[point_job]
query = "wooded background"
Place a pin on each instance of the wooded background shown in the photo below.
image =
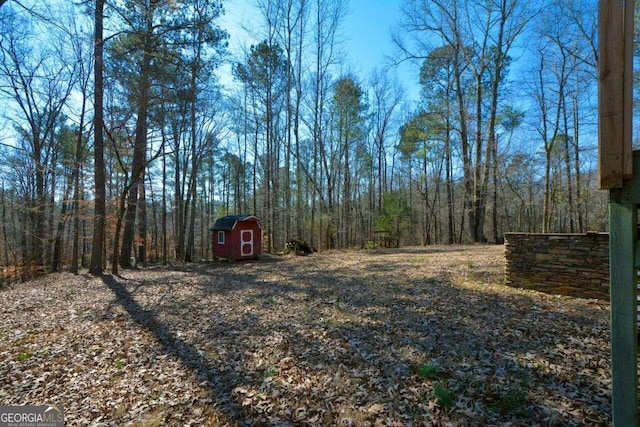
(119, 140)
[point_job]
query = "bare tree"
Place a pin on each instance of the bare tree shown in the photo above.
(265, 71)
(328, 15)
(38, 81)
(558, 70)
(387, 95)
(481, 35)
(99, 216)
(83, 55)
(198, 37)
(286, 21)
(144, 36)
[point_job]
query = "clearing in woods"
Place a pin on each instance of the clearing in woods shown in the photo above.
(409, 336)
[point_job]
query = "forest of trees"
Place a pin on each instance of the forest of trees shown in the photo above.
(120, 144)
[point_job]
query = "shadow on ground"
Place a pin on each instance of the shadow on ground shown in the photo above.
(318, 343)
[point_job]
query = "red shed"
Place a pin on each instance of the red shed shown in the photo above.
(237, 237)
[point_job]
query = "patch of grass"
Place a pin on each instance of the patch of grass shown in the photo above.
(176, 305)
(269, 372)
(515, 403)
(1, 334)
(479, 387)
(442, 395)
(415, 411)
(430, 370)
(541, 368)
(469, 264)
(23, 355)
(272, 300)
(524, 379)
(512, 403)
(119, 364)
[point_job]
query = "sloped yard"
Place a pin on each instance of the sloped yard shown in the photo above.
(410, 336)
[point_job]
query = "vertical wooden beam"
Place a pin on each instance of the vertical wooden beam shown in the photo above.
(627, 136)
(615, 157)
(611, 99)
(623, 220)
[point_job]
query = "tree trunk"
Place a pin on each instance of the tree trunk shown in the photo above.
(77, 171)
(567, 164)
(56, 257)
(164, 208)
(95, 267)
(576, 160)
(194, 161)
(142, 222)
(178, 201)
(494, 214)
(449, 185)
(5, 238)
(192, 221)
(116, 238)
(546, 210)
(153, 249)
(138, 163)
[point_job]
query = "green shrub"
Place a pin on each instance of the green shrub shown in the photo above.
(442, 395)
(429, 370)
(23, 355)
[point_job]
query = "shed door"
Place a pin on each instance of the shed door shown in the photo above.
(246, 242)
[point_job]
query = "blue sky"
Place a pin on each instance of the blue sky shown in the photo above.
(366, 31)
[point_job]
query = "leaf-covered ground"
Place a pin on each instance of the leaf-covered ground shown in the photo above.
(410, 336)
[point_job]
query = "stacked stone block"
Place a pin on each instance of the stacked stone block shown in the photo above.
(567, 264)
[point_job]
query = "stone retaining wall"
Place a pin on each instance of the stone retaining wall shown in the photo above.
(566, 264)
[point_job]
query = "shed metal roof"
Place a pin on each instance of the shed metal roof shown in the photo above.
(229, 221)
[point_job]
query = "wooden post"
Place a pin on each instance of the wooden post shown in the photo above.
(616, 167)
(622, 272)
(615, 95)
(627, 133)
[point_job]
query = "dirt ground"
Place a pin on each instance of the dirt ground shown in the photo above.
(400, 337)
